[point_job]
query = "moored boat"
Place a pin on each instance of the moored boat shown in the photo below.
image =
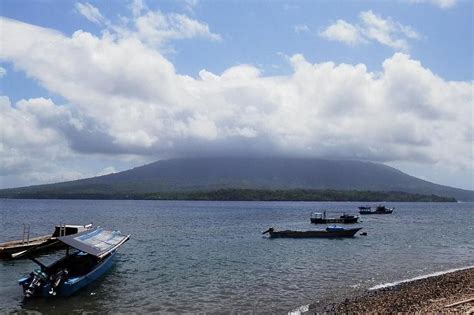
(93, 254)
(40, 243)
(329, 232)
(378, 210)
(321, 218)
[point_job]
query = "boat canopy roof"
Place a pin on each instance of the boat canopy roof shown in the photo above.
(97, 242)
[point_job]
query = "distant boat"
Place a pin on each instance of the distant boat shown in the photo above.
(329, 232)
(95, 254)
(378, 210)
(318, 218)
(40, 243)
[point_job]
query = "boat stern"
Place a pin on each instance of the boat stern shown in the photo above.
(36, 284)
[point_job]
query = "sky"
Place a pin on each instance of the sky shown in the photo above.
(89, 88)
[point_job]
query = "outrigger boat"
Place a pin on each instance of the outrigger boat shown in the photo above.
(94, 254)
(40, 243)
(379, 210)
(318, 218)
(329, 232)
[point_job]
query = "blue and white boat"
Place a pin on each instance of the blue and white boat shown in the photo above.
(88, 256)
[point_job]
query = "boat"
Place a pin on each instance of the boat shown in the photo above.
(40, 243)
(329, 232)
(381, 209)
(317, 218)
(89, 255)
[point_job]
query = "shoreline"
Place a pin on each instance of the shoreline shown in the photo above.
(450, 291)
(231, 194)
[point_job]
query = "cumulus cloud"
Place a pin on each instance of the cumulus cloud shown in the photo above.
(3, 72)
(141, 106)
(343, 32)
(371, 28)
(32, 140)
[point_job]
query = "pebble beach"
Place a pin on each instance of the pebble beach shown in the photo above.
(451, 292)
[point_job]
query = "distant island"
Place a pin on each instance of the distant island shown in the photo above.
(237, 178)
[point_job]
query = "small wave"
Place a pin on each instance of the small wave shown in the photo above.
(434, 274)
(300, 310)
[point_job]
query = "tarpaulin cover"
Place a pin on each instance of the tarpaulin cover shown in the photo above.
(97, 242)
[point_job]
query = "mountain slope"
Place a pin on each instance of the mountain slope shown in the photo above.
(254, 173)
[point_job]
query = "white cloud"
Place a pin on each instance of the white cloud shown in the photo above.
(190, 5)
(91, 13)
(141, 106)
(32, 139)
(372, 28)
(3, 72)
(386, 31)
(443, 4)
(137, 7)
(106, 171)
(343, 32)
(156, 28)
(151, 27)
(301, 28)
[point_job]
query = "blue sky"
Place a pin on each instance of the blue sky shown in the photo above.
(107, 85)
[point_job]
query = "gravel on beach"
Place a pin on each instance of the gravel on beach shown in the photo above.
(429, 295)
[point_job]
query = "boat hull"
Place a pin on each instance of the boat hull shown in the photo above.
(376, 212)
(7, 249)
(315, 234)
(334, 220)
(73, 284)
(40, 244)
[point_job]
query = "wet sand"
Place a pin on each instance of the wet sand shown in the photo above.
(435, 294)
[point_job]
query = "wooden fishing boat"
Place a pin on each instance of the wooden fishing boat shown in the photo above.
(40, 243)
(321, 218)
(329, 232)
(92, 254)
(378, 210)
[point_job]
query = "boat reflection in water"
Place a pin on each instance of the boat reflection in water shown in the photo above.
(88, 256)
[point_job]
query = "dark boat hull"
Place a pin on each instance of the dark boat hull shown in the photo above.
(40, 244)
(315, 234)
(334, 220)
(74, 283)
(376, 212)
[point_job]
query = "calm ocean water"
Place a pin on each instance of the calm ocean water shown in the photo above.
(188, 257)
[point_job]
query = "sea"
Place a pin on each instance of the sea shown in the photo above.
(211, 256)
